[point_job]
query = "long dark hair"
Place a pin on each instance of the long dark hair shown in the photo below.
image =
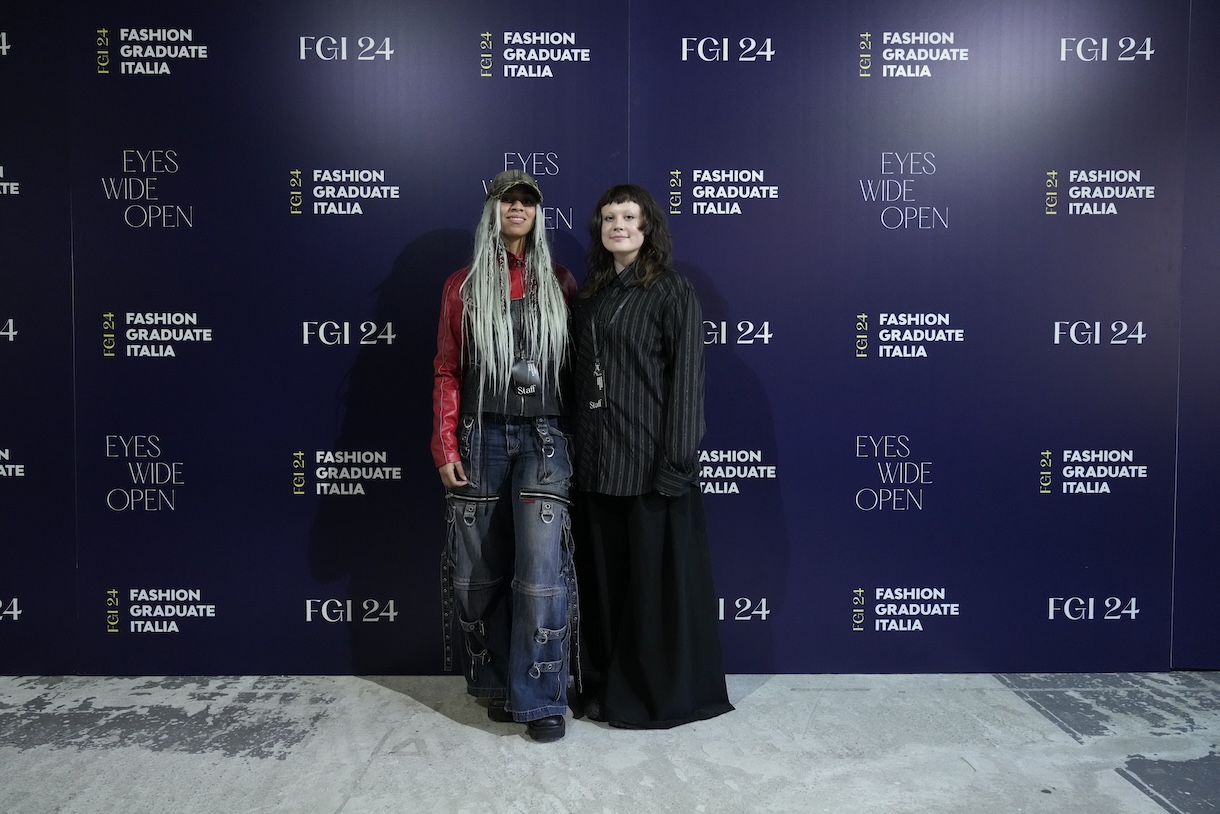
(656, 253)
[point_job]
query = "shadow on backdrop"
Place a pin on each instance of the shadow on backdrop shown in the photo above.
(387, 543)
(747, 530)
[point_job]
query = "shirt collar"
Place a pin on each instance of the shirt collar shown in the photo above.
(628, 277)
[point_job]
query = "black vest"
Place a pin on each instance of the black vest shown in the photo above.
(527, 395)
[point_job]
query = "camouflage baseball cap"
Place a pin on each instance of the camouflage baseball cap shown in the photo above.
(512, 178)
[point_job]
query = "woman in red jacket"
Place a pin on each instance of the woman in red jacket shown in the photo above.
(504, 462)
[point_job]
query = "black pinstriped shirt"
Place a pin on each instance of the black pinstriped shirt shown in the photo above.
(650, 344)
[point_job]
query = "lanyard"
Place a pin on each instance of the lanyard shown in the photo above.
(609, 322)
(598, 382)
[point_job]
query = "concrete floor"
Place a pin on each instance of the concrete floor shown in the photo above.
(976, 744)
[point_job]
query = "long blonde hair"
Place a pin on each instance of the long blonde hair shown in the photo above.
(486, 295)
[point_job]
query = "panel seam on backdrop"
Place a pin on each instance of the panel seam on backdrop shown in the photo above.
(1177, 410)
(629, 91)
(75, 394)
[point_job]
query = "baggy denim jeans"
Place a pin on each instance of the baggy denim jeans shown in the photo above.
(507, 564)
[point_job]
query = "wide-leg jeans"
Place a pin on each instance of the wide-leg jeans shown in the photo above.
(508, 563)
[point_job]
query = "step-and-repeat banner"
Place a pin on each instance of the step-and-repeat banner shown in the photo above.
(1197, 555)
(953, 258)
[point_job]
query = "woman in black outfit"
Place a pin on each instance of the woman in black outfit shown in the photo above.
(650, 649)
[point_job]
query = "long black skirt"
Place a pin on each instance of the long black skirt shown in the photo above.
(649, 645)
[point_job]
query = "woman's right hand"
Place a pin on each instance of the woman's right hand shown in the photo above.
(452, 475)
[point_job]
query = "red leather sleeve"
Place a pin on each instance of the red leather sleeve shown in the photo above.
(567, 283)
(447, 373)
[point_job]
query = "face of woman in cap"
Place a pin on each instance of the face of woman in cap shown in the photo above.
(518, 211)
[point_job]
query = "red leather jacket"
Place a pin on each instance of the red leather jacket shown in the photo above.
(448, 366)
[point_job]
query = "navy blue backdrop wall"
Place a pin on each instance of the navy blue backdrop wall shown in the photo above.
(957, 262)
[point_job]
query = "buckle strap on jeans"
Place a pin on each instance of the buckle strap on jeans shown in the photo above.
(544, 432)
(448, 605)
(484, 655)
(574, 626)
(541, 667)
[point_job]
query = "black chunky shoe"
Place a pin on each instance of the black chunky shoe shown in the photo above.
(550, 728)
(497, 712)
